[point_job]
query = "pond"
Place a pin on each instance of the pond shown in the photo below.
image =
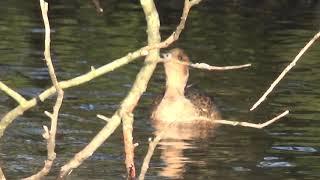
(267, 34)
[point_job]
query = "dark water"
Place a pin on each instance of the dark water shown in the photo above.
(267, 34)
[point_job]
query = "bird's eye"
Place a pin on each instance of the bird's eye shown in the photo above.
(180, 58)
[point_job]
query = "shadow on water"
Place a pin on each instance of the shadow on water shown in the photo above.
(267, 34)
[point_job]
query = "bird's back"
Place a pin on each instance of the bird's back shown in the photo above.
(204, 104)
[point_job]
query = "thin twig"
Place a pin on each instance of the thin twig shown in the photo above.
(217, 68)
(88, 150)
(104, 133)
(205, 66)
(252, 125)
(16, 96)
(103, 117)
(152, 145)
(50, 136)
(285, 71)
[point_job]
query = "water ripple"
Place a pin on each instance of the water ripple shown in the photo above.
(296, 148)
(280, 164)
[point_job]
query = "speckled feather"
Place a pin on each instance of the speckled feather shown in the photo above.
(203, 103)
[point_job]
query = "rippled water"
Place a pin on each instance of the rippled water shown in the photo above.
(267, 34)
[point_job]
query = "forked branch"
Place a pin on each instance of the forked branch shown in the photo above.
(50, 136)
(140, 85)
(176, 34)
(8, 118)
(253, 125)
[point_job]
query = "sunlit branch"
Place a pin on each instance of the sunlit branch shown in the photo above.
(129, 103)
(205, 66)
(253, 125)
(50, 136)
(176, 34)
(94, 73)
(285, 71)
(103, 117)
(152, 145)
(218, 68)
(88, 150)
(16, 96)
(140, 84)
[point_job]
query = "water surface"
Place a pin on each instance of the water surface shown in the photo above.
(267, 34)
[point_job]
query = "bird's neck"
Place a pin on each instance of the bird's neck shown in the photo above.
(174, 92)
(176, 81)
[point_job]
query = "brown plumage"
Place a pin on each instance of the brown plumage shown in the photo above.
(176, 104)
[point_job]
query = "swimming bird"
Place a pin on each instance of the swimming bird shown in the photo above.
(178, 103)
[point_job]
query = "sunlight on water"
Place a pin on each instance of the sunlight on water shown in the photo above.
(267, 34)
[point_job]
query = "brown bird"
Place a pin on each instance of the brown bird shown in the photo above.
(176, 104)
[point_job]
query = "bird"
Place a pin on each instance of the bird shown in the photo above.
(179, 104)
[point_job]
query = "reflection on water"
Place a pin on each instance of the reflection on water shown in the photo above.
(172, 155)
(267, 34)
(177, 138)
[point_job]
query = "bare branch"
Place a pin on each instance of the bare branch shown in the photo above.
(217, 68)
(87, 151)
(153, 42)
(19, 110)
(16, 96)
(103, 117)
(206, 66)
(50, 136)
(252, 125)
(127, 128)
(285, 71)
(8, 118)
(140, 84)
(115, 120)
(175, 35)
(129, 103)
(152, 145)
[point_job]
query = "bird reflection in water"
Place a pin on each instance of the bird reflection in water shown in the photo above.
(178, 113)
